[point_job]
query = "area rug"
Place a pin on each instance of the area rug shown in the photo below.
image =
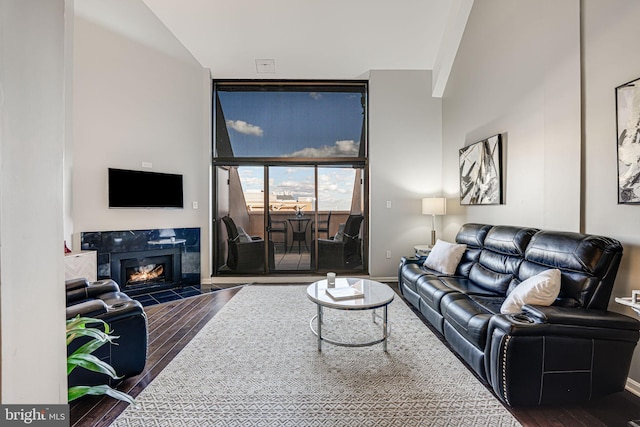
(256, 363)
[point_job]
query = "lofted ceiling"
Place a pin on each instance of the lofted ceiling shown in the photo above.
(313, 39)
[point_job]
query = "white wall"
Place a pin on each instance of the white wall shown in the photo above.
(32, 112)
(611, 33)
(405, 155)
(517, 73)
(139, 96)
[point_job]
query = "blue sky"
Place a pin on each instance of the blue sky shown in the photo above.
(300, 124)
(296, 124)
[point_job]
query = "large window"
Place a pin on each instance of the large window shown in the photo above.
(297, 152)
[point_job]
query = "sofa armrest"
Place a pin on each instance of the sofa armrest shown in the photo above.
(90, 290)
(580, 317)
(569, 322)
(92, 308)
(554, 355)
(411, 260)
(73, 284)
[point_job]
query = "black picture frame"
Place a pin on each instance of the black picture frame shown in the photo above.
(481, 172)
(628, 142)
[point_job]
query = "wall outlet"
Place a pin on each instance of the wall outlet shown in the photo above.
(194, 204)
(388, 204)
(388, 254)
(147, 165)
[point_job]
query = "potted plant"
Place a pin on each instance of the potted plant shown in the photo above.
(82, 357)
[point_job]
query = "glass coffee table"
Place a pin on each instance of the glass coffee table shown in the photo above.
(376, 295)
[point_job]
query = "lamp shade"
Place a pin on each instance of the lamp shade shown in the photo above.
(434, 206)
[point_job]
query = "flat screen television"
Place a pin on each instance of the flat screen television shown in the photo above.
(141, 189)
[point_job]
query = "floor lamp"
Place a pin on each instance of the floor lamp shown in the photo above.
(434, 206)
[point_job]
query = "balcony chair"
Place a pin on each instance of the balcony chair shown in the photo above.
(342, 251)
(278, 227)
(323, 226)
(245, 254)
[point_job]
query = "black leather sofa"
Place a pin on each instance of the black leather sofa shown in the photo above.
(127, 320)
(573, 350)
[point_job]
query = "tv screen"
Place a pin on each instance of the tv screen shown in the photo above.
(139, 189)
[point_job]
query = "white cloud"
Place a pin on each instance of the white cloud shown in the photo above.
(315, 95)
(345, 148)
(244, 127)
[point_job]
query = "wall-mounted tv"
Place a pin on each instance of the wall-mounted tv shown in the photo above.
(141, 189)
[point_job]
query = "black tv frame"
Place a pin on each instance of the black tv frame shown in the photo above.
(145, 189)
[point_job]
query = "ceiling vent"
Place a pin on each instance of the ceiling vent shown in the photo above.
(265, 66)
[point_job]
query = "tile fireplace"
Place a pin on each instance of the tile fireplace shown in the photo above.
(143, 261)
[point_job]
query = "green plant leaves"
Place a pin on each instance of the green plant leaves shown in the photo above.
(90, 362)
(82, 390)
(82, 357)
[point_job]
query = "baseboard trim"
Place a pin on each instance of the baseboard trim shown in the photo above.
(283, 279)
(270, 279)
(633, 387)
(385, 279)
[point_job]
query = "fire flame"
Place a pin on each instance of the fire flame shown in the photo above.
(146, 273)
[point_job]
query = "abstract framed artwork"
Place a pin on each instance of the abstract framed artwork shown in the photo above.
(481, 172)
(628, 133)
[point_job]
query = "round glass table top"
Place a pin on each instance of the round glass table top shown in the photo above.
(376, 294)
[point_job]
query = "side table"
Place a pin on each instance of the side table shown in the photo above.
(632, 302)
(628, 301)
(81, 264)
(422, 250)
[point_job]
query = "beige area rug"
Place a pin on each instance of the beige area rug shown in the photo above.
(256, 363)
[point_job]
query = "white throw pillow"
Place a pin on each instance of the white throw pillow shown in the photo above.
(243, 237)
(541, 289)
(445, 257)
(339, 237)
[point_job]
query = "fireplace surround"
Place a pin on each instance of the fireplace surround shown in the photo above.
(145, 270)
(143, 261)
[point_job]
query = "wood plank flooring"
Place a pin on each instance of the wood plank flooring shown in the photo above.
(172, 325)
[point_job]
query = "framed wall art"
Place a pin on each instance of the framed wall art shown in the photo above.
(628, 128)
(481, 172)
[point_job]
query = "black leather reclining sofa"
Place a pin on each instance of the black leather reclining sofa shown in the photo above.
(570, 351)
(126, 319)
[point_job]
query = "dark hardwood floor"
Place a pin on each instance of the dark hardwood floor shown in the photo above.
(172, 325)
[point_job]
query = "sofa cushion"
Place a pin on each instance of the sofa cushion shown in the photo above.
(473, 236)
(509, 240)
(467, 286)
(243, 237)
(339, 236)
(431, 290)
(445, 256)
(541, 289)
(501, 257)
(588, 264)
(467, 317)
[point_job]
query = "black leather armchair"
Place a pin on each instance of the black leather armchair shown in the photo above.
(342, 254)
(127, 320)
(246, 257)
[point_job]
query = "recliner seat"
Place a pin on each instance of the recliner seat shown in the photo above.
(125, 317)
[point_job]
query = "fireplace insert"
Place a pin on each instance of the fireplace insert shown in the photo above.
(146, 271)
